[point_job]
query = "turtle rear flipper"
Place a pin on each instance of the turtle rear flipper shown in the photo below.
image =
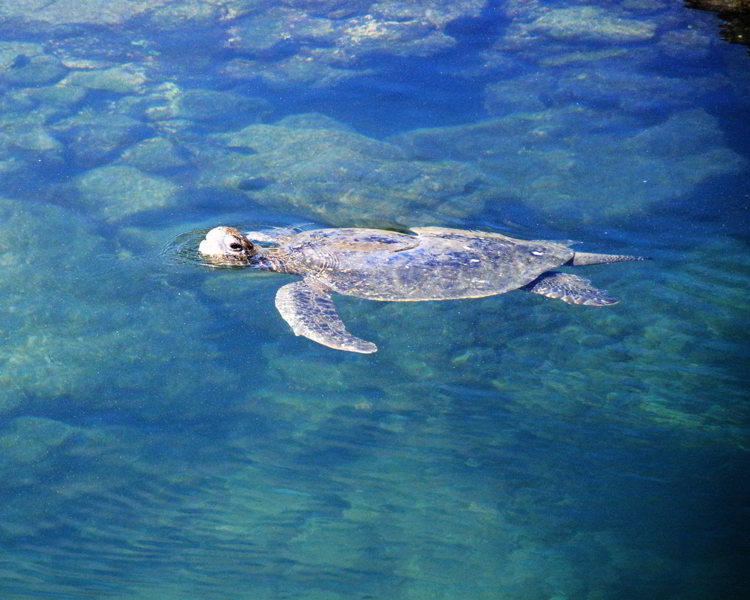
(569, 288)
(310, 312)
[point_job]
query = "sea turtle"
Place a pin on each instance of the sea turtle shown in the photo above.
(431, 263)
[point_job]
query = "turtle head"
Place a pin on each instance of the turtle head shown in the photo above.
(227, 246)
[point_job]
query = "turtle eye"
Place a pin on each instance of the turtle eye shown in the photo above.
(235, 246)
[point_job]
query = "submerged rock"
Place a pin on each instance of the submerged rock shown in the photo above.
(28, 148)
(92, 139)
(576, 164)
(688, 44)
(340, 176)
(307, 67)
(633, 92)
(59, 12)
(412, 37)
(277, 25)
(58, 95)
(123, 79)
(313, 121)
(29, 440)
(602, 58)
(606, 84)
(17, 54)
(588, 23)
(117, 192)
(95, 346)
(29, 137)
(37, 70)
(322, 44)
(174, 16)
(154, 155)
(25, 277)
(403, 29)
(210, 106)
(89, 325)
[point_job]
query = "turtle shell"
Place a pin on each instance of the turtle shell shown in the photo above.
(434, 263)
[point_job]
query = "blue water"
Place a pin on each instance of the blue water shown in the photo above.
(163, 435)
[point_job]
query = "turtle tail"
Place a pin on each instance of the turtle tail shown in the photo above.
(589, 258)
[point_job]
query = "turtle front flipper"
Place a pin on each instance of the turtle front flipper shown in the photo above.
(310, 312)
(569, 288)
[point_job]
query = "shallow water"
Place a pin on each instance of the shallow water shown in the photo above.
(164, 435)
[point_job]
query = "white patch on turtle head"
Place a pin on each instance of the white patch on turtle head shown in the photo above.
(226, 245)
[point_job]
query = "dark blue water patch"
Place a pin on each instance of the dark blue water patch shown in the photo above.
(255, 184)
(19, 62)
(734, 118)
(641, 474)
(397, 100)
(626, 234)
(197, 204)
(717, 206)
(681, 68)
(474, 34)
(510, 216)
(403, 93)
(193, 48)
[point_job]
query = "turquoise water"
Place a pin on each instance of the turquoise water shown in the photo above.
(163, 435)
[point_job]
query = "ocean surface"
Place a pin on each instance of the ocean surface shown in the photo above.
(165, 436)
